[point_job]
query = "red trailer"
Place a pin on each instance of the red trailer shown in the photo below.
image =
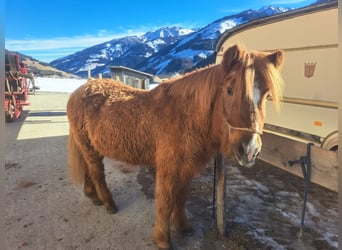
(16, 86)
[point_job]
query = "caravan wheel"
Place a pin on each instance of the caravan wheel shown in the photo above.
(331, 141)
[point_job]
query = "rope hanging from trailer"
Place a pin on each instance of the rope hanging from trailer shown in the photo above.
(214, 189)
(305, 163)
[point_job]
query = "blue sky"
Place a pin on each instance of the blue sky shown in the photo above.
(51, 29)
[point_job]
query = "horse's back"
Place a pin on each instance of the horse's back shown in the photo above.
(115, 118)
(95, 92)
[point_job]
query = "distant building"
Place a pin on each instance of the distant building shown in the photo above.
(132, 77)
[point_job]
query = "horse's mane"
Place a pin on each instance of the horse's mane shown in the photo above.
(200, 84)
(257, 62)
(245, 72)
(272, 77)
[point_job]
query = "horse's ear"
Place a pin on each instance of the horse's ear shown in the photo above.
(232, 56)
(277, 58)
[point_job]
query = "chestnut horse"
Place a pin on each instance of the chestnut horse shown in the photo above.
(176, 127)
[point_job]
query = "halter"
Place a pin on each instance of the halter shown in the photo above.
(251, 130)
(249, 58)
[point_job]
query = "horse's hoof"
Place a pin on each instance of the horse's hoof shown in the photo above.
(188, 231)
(165, 247)
(169, 248)
(111, 210)
(162, 245)
(96, 202)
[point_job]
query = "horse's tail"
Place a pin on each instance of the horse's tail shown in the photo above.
(76, 163)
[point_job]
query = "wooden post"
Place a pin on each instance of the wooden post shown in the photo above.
(89, 73)
(100, 75)
(221, 194)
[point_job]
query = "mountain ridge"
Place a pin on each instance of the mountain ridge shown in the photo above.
(125, 51)
(165, 51)
(39, 68)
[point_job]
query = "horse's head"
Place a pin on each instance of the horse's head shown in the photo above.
(250, 78)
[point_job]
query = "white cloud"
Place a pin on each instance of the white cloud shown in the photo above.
(57, 42)
(48, 49)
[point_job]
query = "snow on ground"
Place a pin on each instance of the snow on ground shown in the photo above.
(58, 85)
(270, 202)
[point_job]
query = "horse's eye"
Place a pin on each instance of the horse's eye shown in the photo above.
(230, 91)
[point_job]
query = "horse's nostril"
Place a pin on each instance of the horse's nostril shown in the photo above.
(241, 149)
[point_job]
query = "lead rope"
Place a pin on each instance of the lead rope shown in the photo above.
(214, 190)
(305, 162)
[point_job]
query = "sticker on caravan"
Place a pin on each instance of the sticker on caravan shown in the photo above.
(318, 123)
(309, 69)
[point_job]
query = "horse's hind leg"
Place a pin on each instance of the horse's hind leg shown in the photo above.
(96, 171)
(96, 178)
(90, 190)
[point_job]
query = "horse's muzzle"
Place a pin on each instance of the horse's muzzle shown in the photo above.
(246, 153)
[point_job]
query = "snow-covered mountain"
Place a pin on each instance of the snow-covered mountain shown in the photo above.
(127, 51)
(164, 51)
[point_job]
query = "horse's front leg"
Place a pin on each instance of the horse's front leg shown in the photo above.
(179, 218)
(166, 182)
